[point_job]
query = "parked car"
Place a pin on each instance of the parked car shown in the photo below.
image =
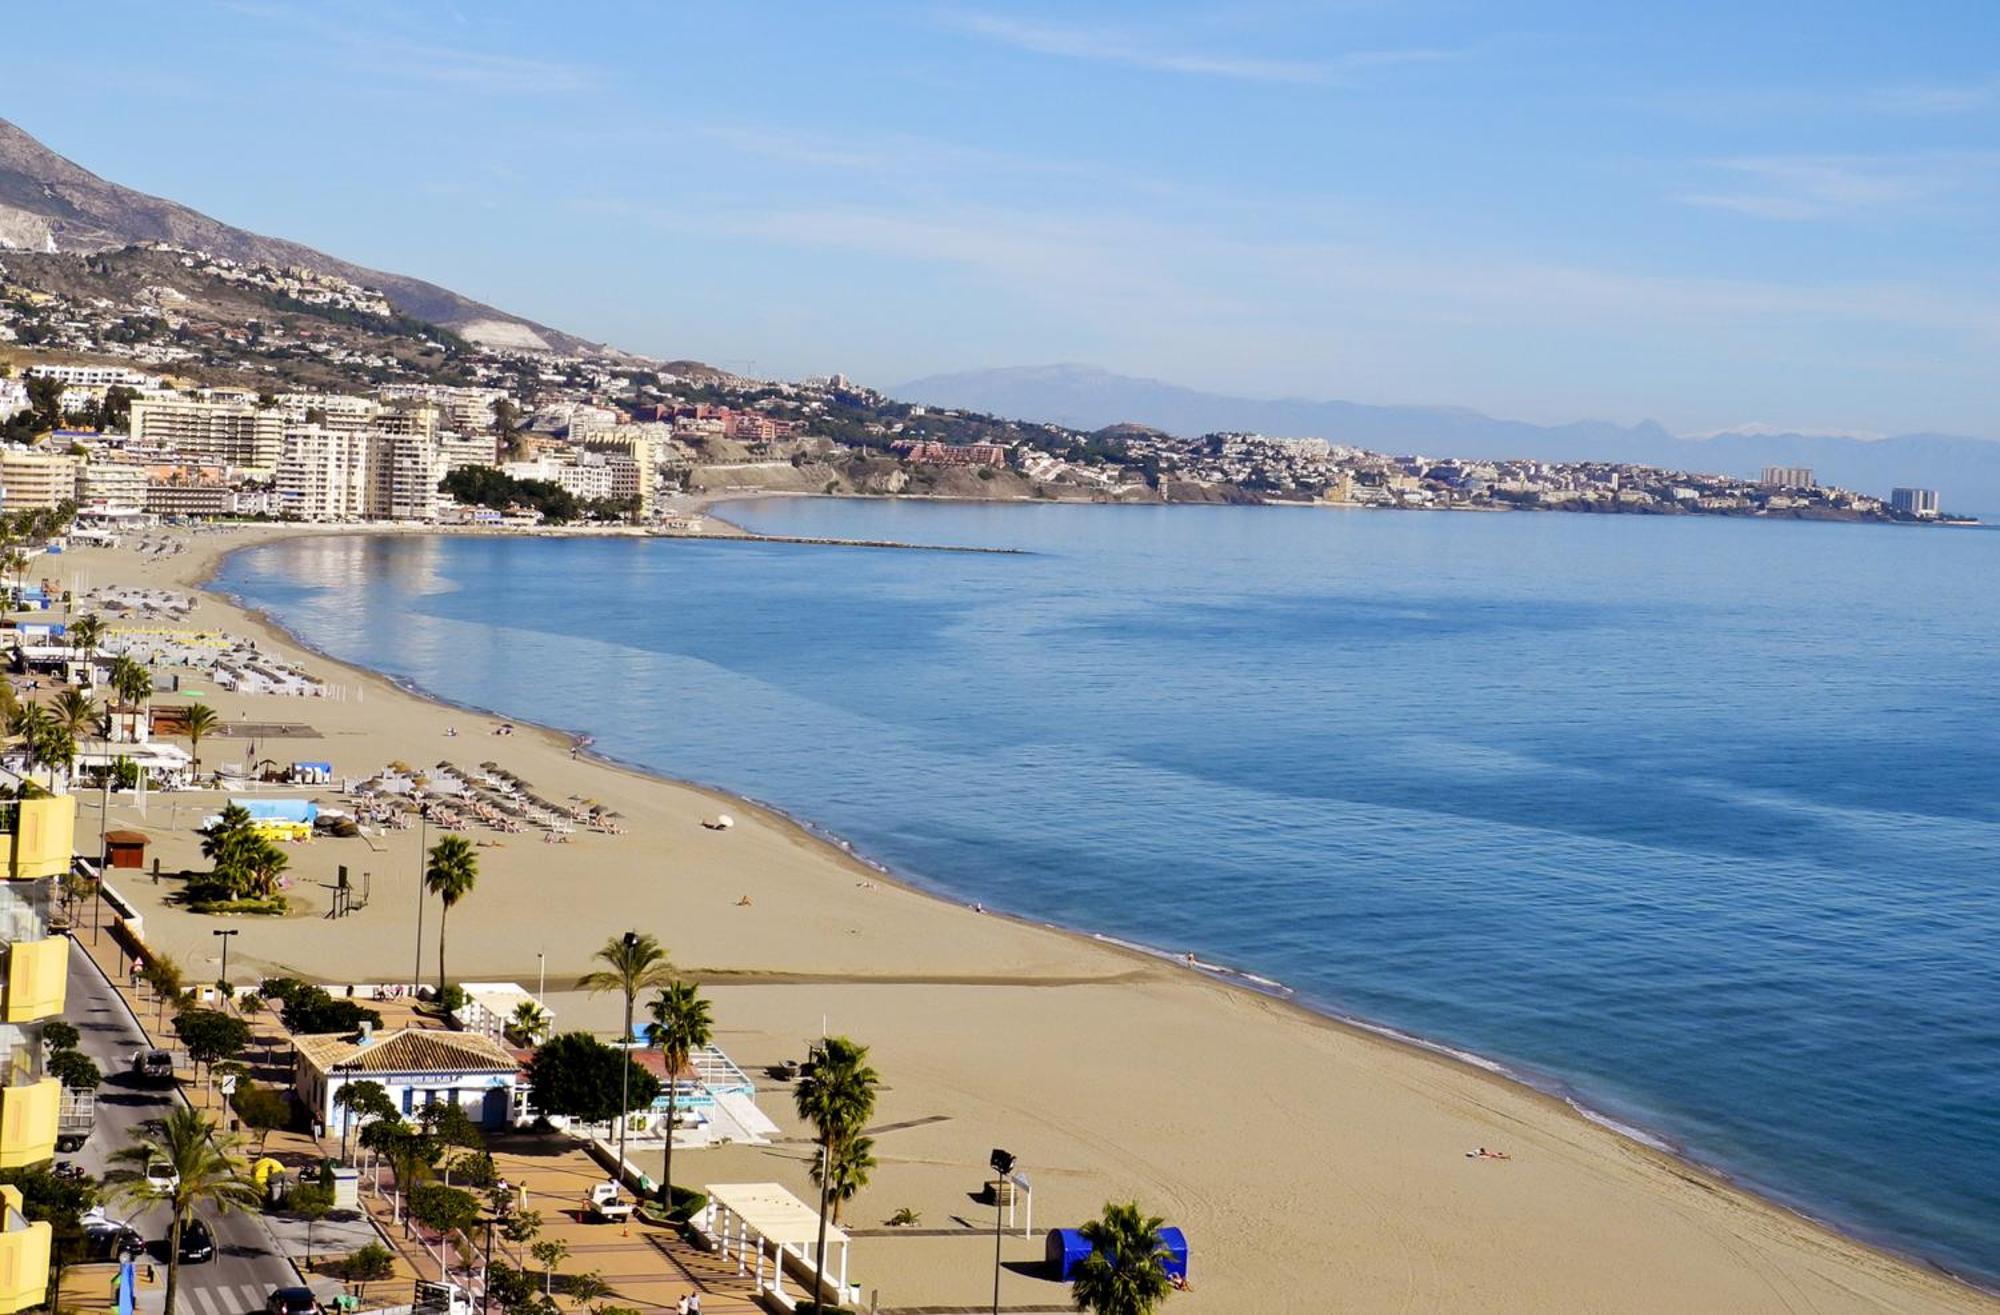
(197, 1243)
(291, 1301)
(107, 1239)
(162, 1177)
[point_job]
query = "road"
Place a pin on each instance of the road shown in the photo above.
(247, 1264)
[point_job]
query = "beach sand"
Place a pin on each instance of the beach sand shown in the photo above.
(1312, 1165)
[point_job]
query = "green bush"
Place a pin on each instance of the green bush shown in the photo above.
(370, 1264)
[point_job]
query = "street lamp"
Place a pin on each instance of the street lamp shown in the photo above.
(423, 837)
(625, 1069)
(1003, 1165)
(225, 935)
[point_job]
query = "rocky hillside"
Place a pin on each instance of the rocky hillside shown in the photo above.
(49, 204)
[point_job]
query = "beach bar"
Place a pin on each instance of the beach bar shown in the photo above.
(742, 1217)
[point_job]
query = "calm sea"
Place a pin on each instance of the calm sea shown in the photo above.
(1697, 821)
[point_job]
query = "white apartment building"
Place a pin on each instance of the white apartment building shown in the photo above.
(588, 476)
(95, 376)
(323, 474)
(403, 471)
(466, 409)
(35, 479)
(240, 433)
(457, 451)
(13, 398)
(329, 474)
(111, 485)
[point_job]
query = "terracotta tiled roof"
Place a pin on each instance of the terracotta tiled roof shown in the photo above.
(412, 1050)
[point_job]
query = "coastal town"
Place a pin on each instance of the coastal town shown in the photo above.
(226, 1093)
(202, 388)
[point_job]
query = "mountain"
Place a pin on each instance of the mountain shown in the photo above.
(48, 203)
(1965, 471)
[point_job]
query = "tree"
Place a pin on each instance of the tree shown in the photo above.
(85, 634)
(548, 1253)
(76, 712)
(633, 963)
(451, 874)
(245, 863)
(1126, 1271)
(59, 1036)
(530, 1022)
(200, 720)
(452, 1129)
(263, 1109)
(369, 1264)
(52, 746)
(411, 1152)
(362, 1099)
(311, 1202)
(75, 1070)
(837, 1098)
(209, 1172)
(164, 976)
(443, 1210)
(574, 1075)
(682, 1024)
(131, 681)
(310, 1009)
(210, 1034)
(521, 1226)
(842, 1174)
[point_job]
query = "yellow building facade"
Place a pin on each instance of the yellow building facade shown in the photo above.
(37, 843)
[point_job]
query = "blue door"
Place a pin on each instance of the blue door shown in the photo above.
(494, 1110)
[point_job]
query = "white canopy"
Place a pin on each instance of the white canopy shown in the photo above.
(772, 1213)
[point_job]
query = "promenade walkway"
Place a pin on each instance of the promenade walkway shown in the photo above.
(646, 1267)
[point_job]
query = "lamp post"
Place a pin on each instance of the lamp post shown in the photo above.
(625, 1070)
(423, 838)
(225, 935)
(1003, 1164)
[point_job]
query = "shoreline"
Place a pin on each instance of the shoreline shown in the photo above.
(1548, 1087)
(1131, 966)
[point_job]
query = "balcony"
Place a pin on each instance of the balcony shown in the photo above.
(28, 1121)
(39, 836)
(24, 1256)
(37, 980)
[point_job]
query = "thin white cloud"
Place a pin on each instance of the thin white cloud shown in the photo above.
(1109, 46)
(1806, 187)
(1937, 98)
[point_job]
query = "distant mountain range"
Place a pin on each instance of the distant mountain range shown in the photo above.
(1965, 471)
(49, 203)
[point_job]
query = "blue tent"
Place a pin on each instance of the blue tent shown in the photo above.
(1177, 1253)
(1066, 1250)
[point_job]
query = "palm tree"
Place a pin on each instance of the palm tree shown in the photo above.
(209, 1172)
(845, 1172)
(1126, 1270)
(451, 875)
(530, 1021)
(75, 711)
(201, 719)
(682, 1024)
(85, 634)
(837, 1098)
(633, 962)
(131, 680)
(54, 747)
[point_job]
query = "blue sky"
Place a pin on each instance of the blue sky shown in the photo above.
(1711, 214)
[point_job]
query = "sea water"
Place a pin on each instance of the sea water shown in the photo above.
(1692, 820)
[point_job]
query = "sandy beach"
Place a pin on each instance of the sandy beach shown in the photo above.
(1313, 1166)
